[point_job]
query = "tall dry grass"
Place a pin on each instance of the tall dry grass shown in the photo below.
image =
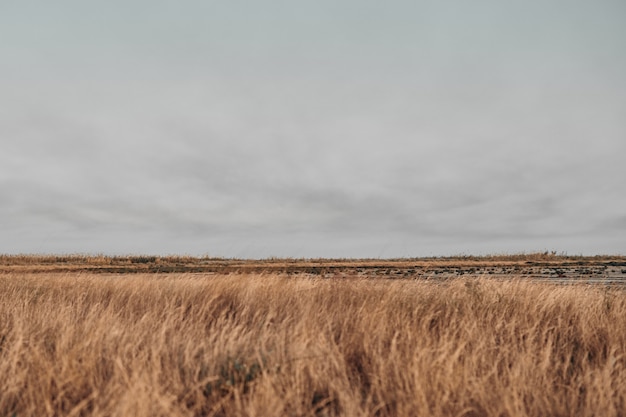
(267, 345)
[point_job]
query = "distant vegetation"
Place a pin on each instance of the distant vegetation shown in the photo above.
(79, 344)
(107, 260)
(170, 264)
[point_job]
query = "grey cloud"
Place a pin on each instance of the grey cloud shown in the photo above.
(303, 132)
(615, 224)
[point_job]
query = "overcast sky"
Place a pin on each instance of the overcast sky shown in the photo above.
(330, 128)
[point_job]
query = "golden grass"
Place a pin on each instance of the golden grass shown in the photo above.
(265, 345)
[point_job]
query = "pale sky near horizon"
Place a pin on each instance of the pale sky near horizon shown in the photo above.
(313, 129)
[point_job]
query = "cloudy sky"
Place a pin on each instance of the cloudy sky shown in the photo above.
(334, 128)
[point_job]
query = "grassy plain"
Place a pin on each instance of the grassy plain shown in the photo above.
(264, 344)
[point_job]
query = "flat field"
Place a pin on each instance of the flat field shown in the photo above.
(261, 343)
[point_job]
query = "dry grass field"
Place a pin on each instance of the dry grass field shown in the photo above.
(270, 344)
